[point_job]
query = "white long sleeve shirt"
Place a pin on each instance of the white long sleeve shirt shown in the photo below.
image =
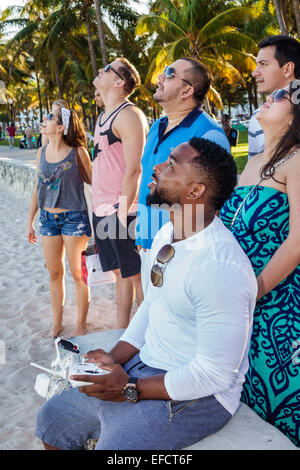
(197, 325)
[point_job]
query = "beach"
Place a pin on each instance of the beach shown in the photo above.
(25, 318)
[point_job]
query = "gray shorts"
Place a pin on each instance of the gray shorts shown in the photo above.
(68, 420)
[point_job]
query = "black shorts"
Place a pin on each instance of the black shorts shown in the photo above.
(116, 244)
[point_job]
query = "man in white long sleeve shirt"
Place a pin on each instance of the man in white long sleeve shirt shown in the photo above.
(177, 372)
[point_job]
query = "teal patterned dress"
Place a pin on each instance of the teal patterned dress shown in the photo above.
(272, 386)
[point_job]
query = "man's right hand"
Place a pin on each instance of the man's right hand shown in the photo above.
(98, 355)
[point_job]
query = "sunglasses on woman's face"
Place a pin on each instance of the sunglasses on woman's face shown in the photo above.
(169, 72)
(109, 67)
(164, 255)
(281, 94)
(51, 116)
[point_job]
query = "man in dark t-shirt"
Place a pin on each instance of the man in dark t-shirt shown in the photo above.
(11, 131)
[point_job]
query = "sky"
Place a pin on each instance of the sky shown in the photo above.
(142, 8)
(6, 3)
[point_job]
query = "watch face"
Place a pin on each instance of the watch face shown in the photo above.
(131, 394)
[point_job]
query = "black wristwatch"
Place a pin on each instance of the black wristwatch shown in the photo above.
(130, 391)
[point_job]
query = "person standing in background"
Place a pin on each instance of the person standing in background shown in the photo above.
(29, 135)
(11, 132)
(119, 139)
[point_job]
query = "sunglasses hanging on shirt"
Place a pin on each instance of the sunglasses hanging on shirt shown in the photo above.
(164, 255)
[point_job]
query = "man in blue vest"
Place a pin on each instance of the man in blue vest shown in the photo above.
(181, 91)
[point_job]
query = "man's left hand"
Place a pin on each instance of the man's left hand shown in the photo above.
(105, 387)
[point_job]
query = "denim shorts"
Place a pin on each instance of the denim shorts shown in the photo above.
(68, 420)
(72, 223)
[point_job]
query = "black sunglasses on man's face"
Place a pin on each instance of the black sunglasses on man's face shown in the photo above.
(109, 67)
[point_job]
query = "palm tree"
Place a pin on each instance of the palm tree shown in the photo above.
(198, 28)
(280, 16)
(288, 16)
(23, 47)
(86, 14)
(201, 29)
(101, 33)
(296, 8)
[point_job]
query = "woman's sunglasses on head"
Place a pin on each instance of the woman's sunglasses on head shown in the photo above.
(109, 67)
(169, 72)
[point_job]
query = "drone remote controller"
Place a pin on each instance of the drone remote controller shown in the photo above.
(85, 369)
(64, 367)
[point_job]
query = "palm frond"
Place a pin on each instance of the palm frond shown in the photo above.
(223, 69)
(232, 17)
(153, 23)
(233, 39)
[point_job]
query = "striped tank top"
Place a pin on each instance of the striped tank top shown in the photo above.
(108, 167)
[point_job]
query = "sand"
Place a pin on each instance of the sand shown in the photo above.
(25, 319)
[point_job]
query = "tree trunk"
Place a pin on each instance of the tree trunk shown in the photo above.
(249, 92)
(101, 33)
(206, 105)
(57, 77)
(250, 103)
(83, 112)
(285, 15)
(39, 95)
(280, 18)
(91, 48)
(68, 98)
(48, 104)
(297, 15)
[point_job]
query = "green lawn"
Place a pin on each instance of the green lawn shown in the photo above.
(240, 153)
(4, 142)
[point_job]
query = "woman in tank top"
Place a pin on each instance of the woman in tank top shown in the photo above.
(64, 223)
(263, 214)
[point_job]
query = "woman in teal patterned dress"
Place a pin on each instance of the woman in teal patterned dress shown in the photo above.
(264, 215)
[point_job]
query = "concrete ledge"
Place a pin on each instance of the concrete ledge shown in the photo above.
(245, 431)
(17, 175)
